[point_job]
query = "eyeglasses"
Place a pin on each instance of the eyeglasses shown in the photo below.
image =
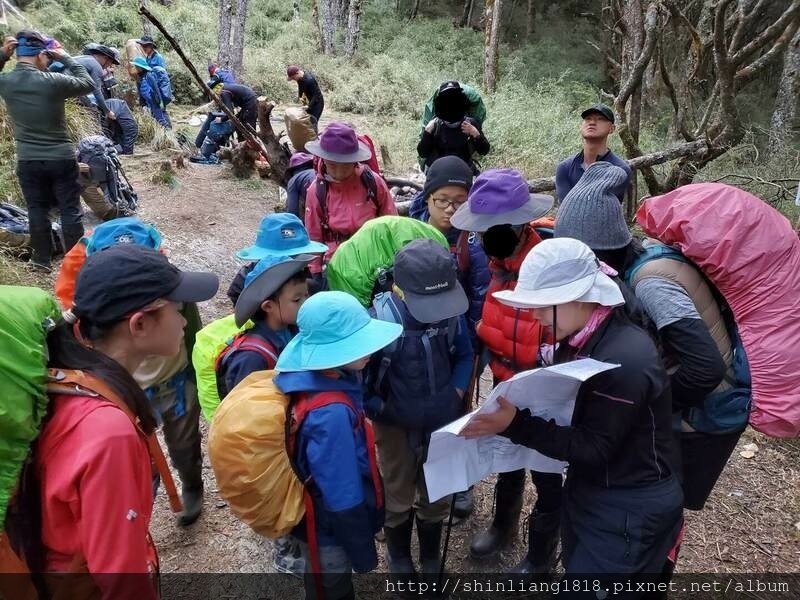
(445, 203)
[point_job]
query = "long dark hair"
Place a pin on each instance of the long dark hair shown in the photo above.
(24, 522)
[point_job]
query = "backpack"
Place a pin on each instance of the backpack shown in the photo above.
(386, 309)
(105, 170)
(27, 315)
(321, 191)
(164, 84)
(727, 408)
(15, 229)
(214, 345)
(252, 445)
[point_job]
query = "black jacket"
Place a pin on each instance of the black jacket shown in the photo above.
(620, 434)
(451, 141)
(308, 87)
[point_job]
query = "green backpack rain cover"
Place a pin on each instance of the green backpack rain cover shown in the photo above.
(476, 109)
(357, 263)
(27, 314)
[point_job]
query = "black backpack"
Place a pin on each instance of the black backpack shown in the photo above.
(105, 170)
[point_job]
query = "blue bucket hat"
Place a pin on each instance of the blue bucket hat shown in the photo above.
(266, 278)
(281, 234)
(141, 62)
(126, 230)
(334, 330)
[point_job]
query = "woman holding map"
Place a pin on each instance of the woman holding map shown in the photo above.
(622, 510)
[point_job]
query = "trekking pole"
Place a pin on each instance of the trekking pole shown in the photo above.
(447, 539)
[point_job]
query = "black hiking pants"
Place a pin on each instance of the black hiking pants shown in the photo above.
(48, 184)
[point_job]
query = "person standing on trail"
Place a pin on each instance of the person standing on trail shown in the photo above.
(596, 125)
(308, 92)
(149, 92)
(345, 193)
(46, 164)
(97, 59)
(148, 45)
(451, 132)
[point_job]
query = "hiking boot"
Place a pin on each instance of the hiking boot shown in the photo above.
(42, 267)
(430, 555)
(289, 557)
(192, 506)
(398, 553)
(543, 533)
(508, 505)
(464, 504)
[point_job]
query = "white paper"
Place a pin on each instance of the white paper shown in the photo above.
(455, 463)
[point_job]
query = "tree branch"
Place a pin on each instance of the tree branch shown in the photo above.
(651, 37)
(745, 75)
(769, 34)
(724, 67)
(247, 132)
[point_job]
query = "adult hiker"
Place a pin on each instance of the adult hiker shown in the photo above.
(123, 130)
(236, 95)
(168, 382)
(149, 47)
(46, 165)
(447, 184)
(501, 210)
(308, 92)
(414, 388)
(214, 134)
(299, 175)
(224, 75)
(345, 193)
(674, 296)
(596, 125)
(87, 497)
(97, 58)
(150, 95)
(622, 509)
(451, 132)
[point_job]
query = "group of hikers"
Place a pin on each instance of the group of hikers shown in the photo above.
(479, 276)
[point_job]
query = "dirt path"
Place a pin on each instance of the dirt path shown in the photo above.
(751, 523)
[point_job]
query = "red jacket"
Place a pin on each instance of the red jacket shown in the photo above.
(512, 335)
(97, 496)
(348, 209)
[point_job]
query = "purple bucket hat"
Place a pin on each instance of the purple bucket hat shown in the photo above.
(339, 143)
(500, 197)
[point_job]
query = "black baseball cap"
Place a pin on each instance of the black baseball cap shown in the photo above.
(600, 109)
(122, 279)
(426, 274)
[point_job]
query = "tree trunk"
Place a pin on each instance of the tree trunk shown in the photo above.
(494, 10)
(466, 14)
(146, 29)
(415, 9)
(295, 10)
(631, 49)
(224, 57)
(317, 21)
(238, 36)
(530, 25)
(327, 21)
(342, 13)
(353, 28)
(786, 113)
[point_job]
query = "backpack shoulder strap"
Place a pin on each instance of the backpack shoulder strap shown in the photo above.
(653, 250)
(321, 192)
(64, 381)
(463, 257)
(386, 310)
(247, 342)
(368, 179)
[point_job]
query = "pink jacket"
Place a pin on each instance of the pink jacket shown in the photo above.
(348, 209)
(96, 493)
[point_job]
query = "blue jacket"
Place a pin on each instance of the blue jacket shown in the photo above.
(334, 453)
(150, 97)
(240, 363)
(570, 170)
(156, 60)
(417, 389)
(225, 76)
(475, 278)
(296, 191)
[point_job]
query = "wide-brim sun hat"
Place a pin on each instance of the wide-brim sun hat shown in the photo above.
(281, 234)
(264, 280)
(559, 271)
(500, 197)
(339, 143)
(335, 330)
(110, 53)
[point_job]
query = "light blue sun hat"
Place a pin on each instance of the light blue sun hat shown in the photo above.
(281, 234)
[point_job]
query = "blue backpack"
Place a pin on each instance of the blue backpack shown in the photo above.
(722, 411)
(164, 84)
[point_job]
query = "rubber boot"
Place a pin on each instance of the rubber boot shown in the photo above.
(543, 534)
(464, 504)
(429, 534)
(191, 495)
(508, 505)
(398, 553)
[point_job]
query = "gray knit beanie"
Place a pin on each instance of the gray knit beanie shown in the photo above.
(592, 213)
